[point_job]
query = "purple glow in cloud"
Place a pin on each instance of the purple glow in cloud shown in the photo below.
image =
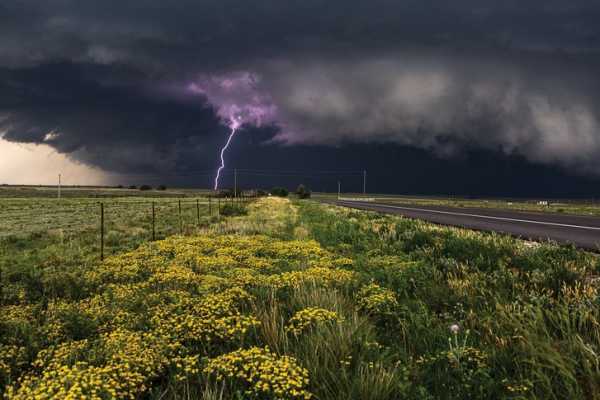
(238, 102)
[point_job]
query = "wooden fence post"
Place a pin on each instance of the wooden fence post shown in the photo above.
(198, 211)
(102, 231)
(180, 221)
(153, 223)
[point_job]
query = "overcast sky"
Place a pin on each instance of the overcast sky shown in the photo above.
(479, 93)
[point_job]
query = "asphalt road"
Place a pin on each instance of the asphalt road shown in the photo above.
(582, 231)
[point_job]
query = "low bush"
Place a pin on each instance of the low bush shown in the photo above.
(231, 210)
(279, 192)
(303, 192)
(224, 193)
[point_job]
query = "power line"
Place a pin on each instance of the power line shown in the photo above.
(160, 174)
(234, 174)
(303, 171)
(231, 170)
(192, 173)
(297, 175)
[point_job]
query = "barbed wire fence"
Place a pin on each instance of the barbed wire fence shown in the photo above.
(93, 222)
(112, 221)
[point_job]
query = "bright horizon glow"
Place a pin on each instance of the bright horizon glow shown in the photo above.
(40, 164)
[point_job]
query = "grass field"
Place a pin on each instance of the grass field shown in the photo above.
(298, 300)
(78, 192)
(67, 232)
(578, 207)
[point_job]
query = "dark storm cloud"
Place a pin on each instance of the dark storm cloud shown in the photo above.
(105, 116)
(108, 82)
(190, 34)
(443, 101)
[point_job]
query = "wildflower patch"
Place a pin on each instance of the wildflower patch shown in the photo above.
(261, 374)
(375, 299)
(308, 318)
(155, 312)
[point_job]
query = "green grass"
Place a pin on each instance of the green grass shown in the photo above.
(45, 237)
(576, 207)
(78, 192)
(530, 310)
(431, 312)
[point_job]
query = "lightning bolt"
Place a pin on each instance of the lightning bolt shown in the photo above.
(234, 128)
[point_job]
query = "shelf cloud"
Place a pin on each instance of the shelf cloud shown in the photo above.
(142, 86)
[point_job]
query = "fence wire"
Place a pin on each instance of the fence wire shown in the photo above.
(132, 216)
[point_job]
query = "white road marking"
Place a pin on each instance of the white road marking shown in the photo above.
(594, 228)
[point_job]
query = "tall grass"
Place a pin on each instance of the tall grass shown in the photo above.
(531, 309)
(430, 312)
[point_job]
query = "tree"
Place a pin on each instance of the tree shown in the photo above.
(303, 192)
(145, 187)
(224, 193)
(279, 191)
(161, 187)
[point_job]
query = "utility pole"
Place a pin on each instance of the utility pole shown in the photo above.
(365, 181)
(59, 183)
(235, 182)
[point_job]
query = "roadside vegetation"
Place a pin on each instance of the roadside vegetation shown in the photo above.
(301, 300)
(575, 207)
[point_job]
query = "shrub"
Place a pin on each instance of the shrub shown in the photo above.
(145, 187)
(161, 187)
(261, 374)
(307, 318)
(303, 192)
(230, 210)
(132, 187)
(224, 193)
(459, 373)
(279, 191)
(374, 299)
